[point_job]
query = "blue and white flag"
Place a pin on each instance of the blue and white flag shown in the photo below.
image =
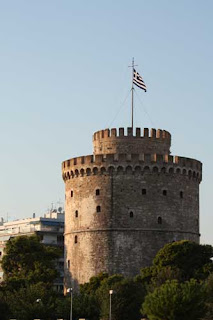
(138, 80)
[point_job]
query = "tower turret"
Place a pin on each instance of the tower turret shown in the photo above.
(116, 141)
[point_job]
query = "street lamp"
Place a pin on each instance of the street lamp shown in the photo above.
(110, 304)
(39, 302)
(70, 290)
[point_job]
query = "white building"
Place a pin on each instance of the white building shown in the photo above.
(49, 228)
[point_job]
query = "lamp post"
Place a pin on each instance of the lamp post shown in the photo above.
(70, 290)
(110, 304)
(39, 302)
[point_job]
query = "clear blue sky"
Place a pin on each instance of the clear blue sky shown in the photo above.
(64, 74)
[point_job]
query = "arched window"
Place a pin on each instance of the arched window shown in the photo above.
(163, 170)
(103, 170)
(155, 169)
(159, 220)
(71, 193)
(131, 214)
(76, 239)
(146, 169)
(111, 170)
(164, 192)
(171, 170)
(88, 172)
(120, 170)
(181, 194)
(98, 209)
(129, 170)
(76, 213)
(95, 171)
(97, 192)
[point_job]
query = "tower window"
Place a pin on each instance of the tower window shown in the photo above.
(97, 192)
(68, 264)
(98, 209)
(143, 191)
(131, 214)
(181, 194)
(71, 193)
(76, 239)
(76, 213)
(159, 220)
(164, 192)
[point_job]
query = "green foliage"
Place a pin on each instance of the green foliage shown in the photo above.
(28, 261)
(154, 276)
(209, 298)
(84, 306)
(180, 260)
(175, 301)
(4, 308)
(93, 284)
(126, 298)
(171, 293)
(191, 259)
(31, 302)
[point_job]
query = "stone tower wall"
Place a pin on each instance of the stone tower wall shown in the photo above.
(146, 200)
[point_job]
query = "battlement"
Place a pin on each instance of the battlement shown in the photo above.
(147, 133)
(111, 141)
(156, 163)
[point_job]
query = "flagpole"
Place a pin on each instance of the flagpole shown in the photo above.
(132, 66)
(138, 81)
(132, 93)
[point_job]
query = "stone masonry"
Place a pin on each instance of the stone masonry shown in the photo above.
(125, 202)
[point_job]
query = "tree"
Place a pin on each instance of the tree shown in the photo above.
(175, 301)
(127, 298)
(27, 261)
(191, 259)
(180, 260)
(4, 308)
(93, 284)
(84, 306)
(31, 302)
(209, 298)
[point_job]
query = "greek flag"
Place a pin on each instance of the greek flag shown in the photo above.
(138, 81)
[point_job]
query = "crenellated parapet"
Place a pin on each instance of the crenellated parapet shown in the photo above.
(131, 163)
(118, 141)
(120, 133)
